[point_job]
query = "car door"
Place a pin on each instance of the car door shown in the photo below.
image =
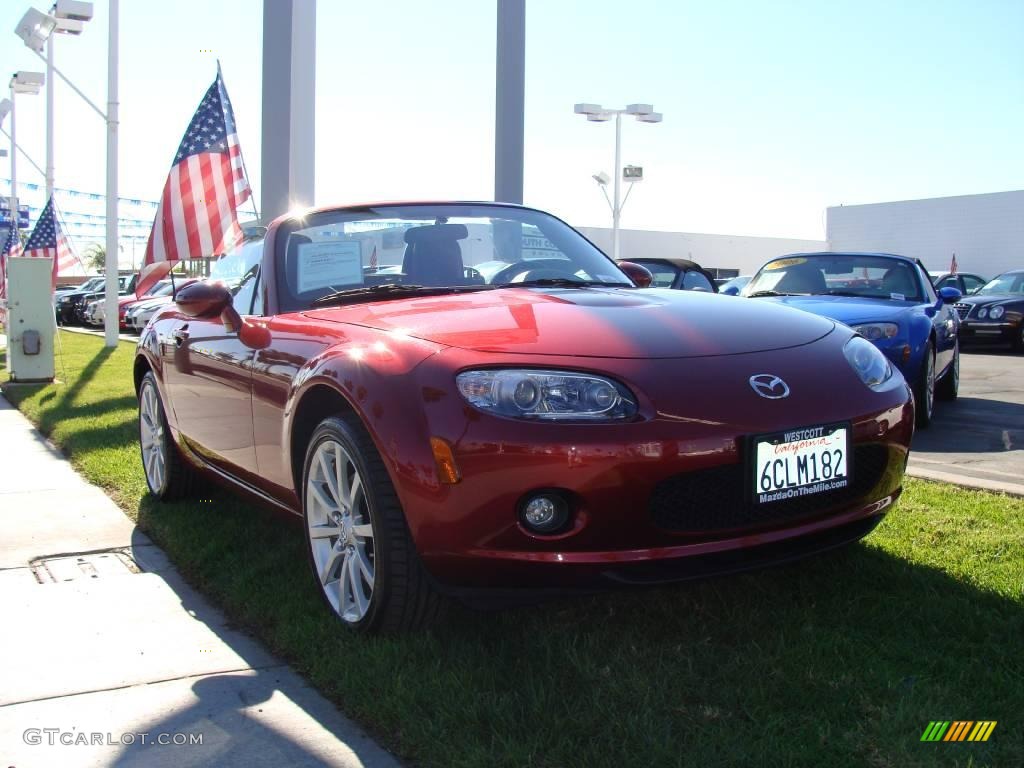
(945, 321)
(208, 376)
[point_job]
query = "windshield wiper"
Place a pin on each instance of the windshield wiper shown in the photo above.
(564, 282)
(372, 292)
(853, 294)
(755, 294)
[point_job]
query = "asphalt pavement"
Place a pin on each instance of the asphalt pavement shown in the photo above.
(107, 657)
(978, 440)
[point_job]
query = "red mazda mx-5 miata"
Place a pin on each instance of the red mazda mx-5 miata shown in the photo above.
(467, 398)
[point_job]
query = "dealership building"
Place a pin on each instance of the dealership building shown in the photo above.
(986, 232)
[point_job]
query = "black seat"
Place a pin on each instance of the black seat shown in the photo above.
(433, 256)
(804, 278)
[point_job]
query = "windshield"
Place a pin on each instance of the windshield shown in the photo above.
(342, 255)
(873, 277)
(1009, 283)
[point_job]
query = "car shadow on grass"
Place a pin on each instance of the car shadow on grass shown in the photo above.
(841, 659)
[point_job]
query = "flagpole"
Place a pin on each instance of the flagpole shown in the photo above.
(110, 322)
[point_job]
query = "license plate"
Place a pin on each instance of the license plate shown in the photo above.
(801, 462)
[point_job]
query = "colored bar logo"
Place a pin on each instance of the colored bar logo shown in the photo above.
(959, 730)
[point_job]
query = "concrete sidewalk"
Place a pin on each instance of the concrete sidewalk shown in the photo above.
(105, 651)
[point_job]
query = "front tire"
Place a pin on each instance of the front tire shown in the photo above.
(924, 389)
(949, 387)
(167, 474)
(360, 550)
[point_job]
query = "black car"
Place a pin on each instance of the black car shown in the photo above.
(682, 274)
(71, 306)
(995, 314)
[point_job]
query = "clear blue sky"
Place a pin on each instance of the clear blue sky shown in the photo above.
(773, 110)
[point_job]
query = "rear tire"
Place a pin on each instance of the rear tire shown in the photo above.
(361, 553)
(168, 475)
(948, 387)
(924, 389)
(1018, 340)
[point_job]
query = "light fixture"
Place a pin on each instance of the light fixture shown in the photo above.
(76, 10)
(5, 109)
(27, 82)
(35, 29)
(602, 178)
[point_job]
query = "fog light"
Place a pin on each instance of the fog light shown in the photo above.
(544, 513)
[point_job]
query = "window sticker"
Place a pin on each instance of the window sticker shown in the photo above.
(323, 265)
(783, 263)
(897, 297)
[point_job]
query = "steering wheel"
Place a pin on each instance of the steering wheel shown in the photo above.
(532, 269)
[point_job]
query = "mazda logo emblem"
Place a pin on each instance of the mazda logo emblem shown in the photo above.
(769, 385)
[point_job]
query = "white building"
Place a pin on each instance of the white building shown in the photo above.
(733, 254)
(986, 232)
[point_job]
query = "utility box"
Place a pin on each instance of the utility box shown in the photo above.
(30, 319)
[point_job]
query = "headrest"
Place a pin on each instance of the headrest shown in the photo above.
(436, 233)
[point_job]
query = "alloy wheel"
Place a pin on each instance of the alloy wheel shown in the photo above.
(153, 438)
(340, 531)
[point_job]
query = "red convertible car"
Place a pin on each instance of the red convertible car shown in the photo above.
(546, 426)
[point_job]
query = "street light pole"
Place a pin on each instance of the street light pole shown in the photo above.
(110, 322)
(49, 117)
(14, 165)
(595, 113)
(617, 209)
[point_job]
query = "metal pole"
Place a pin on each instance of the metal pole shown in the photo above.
(510, 94)
(110, 320)
(49, 116)
(14, 168)
(617, 208)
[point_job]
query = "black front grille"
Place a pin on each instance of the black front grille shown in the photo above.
(718, 499)
(963, 310)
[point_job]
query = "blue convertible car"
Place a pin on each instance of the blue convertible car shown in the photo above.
(890, 300)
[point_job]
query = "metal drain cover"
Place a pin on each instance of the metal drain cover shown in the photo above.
(83, 565)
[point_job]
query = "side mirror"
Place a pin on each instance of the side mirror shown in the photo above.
(950, 295)
(203, 300)
(732, 290)
(640, 275)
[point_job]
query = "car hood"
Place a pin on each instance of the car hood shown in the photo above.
(992, 298)
(847, 309)
(150, 303)
(589, 322)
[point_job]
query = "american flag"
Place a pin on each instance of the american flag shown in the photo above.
(953, 266)
(48, 242)
(373, 258)
(12, 247)
(198, 211)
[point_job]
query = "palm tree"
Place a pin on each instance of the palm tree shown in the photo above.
(96, 257)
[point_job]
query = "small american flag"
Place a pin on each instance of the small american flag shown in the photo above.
(198, 211)
(373, 258)
(953, 265)
(12, 247)
(48, 242)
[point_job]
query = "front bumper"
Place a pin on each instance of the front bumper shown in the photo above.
(978, 332)
(625, 526)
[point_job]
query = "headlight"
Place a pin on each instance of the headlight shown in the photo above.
(876, 331)
(871, 365)
(996, 312)
(549, 395)
(983, 312)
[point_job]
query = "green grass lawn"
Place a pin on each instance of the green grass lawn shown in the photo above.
(841, 660)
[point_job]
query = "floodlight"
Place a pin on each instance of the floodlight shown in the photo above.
(28, 82)
(653, 117)
(639, 109)
(599, 117)
(76, 10)
(587, 109)
(68, 27)
(602, 178)
(5, 108)
(35, 29)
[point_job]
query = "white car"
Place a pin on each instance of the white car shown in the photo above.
(138, 316)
